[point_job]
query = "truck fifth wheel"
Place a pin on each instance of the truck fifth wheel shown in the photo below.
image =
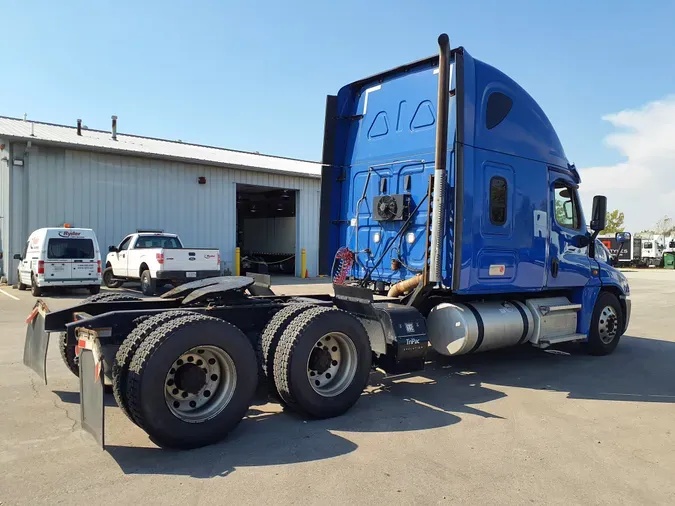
(445, 192)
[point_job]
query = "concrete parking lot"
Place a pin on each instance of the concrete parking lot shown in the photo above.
(510, 427)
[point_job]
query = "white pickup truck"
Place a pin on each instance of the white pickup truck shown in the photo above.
(157, 259)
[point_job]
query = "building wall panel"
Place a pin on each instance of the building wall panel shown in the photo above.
(116, 194)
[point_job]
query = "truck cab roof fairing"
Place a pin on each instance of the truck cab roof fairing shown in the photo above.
(525, 131)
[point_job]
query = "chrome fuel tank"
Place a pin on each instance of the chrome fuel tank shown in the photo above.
(458, 329)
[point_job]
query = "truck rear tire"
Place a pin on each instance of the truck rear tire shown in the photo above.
(148, 285)
(269, 340)
(607, 325)
(68, 350)
(191, 381)
(322, 362)
(127, 350)
(109, 278)
(94, 290)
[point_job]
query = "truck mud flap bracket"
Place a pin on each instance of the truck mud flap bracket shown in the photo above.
(92, 406)
(37, 340)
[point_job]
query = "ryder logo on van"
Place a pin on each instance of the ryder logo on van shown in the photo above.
(67, 233)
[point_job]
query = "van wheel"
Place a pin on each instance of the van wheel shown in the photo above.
(94, 289)
(19, 284)
(34, 288)
(109, 278)
(148, 285)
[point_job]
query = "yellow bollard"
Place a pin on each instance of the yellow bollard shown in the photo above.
(237, 261)
(303, 263)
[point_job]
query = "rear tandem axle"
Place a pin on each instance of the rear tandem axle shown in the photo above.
(185, 367)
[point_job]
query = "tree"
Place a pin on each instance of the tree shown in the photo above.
(664, 227)
(614, 222)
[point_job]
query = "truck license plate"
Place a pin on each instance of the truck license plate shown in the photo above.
(191, 274)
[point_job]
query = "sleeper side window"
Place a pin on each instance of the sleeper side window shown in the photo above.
(498, 200)
(498, 107)
(566, 207)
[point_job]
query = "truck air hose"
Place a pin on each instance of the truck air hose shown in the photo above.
(365, 279)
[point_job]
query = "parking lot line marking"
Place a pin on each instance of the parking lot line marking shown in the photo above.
(9, 295)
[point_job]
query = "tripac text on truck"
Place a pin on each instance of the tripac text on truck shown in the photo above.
(446, 188)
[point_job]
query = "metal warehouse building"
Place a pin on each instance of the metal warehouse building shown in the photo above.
(51, 175)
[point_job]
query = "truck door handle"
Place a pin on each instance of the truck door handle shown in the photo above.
(554, 267)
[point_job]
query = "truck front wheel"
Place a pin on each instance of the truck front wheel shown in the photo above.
(191, 381)
(322, 362)
(148, 285)
(607, 325)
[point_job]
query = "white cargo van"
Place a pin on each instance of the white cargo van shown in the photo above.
(60, 257)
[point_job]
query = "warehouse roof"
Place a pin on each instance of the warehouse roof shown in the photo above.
(98, 140)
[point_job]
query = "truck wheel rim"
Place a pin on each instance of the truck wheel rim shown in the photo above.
(200, 384)
(608, 326)
(331, 365)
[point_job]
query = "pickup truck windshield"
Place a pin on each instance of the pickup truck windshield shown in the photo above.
(61, 249)
(158, 241)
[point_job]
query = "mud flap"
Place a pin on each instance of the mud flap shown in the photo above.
(37, 340)
(92, 407)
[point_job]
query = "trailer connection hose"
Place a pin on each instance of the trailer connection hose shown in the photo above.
(400, 233)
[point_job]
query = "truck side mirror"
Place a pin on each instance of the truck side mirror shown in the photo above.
(623, 237)
(599, 213)
(580, 241)
(17, 257)
(112, 249)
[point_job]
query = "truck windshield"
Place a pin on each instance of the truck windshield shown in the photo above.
(647, 245)
(72, 249)
(158, 241)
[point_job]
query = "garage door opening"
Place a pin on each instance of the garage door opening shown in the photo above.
(266, 229)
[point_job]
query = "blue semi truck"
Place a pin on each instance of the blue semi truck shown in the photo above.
(450, 220)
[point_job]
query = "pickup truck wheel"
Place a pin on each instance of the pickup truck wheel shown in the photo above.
(109, 278)
(19, 284)
(607, 325)
(148, 285)
(35, 290)
(127, 350)
(269, 340)
(322, 362)
(191, 381)
(66, 349)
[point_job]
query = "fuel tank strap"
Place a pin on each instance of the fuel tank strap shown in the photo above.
(526, 324)
(481, 327)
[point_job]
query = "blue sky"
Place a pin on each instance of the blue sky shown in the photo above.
(254, 75)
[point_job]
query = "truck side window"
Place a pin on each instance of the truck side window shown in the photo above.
(498, 106)
(125, 244)
(497, 200)
(566, 207)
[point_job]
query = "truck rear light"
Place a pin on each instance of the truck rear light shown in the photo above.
(160, 258)
(219, 258)
(98, 266)
(41, 267)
